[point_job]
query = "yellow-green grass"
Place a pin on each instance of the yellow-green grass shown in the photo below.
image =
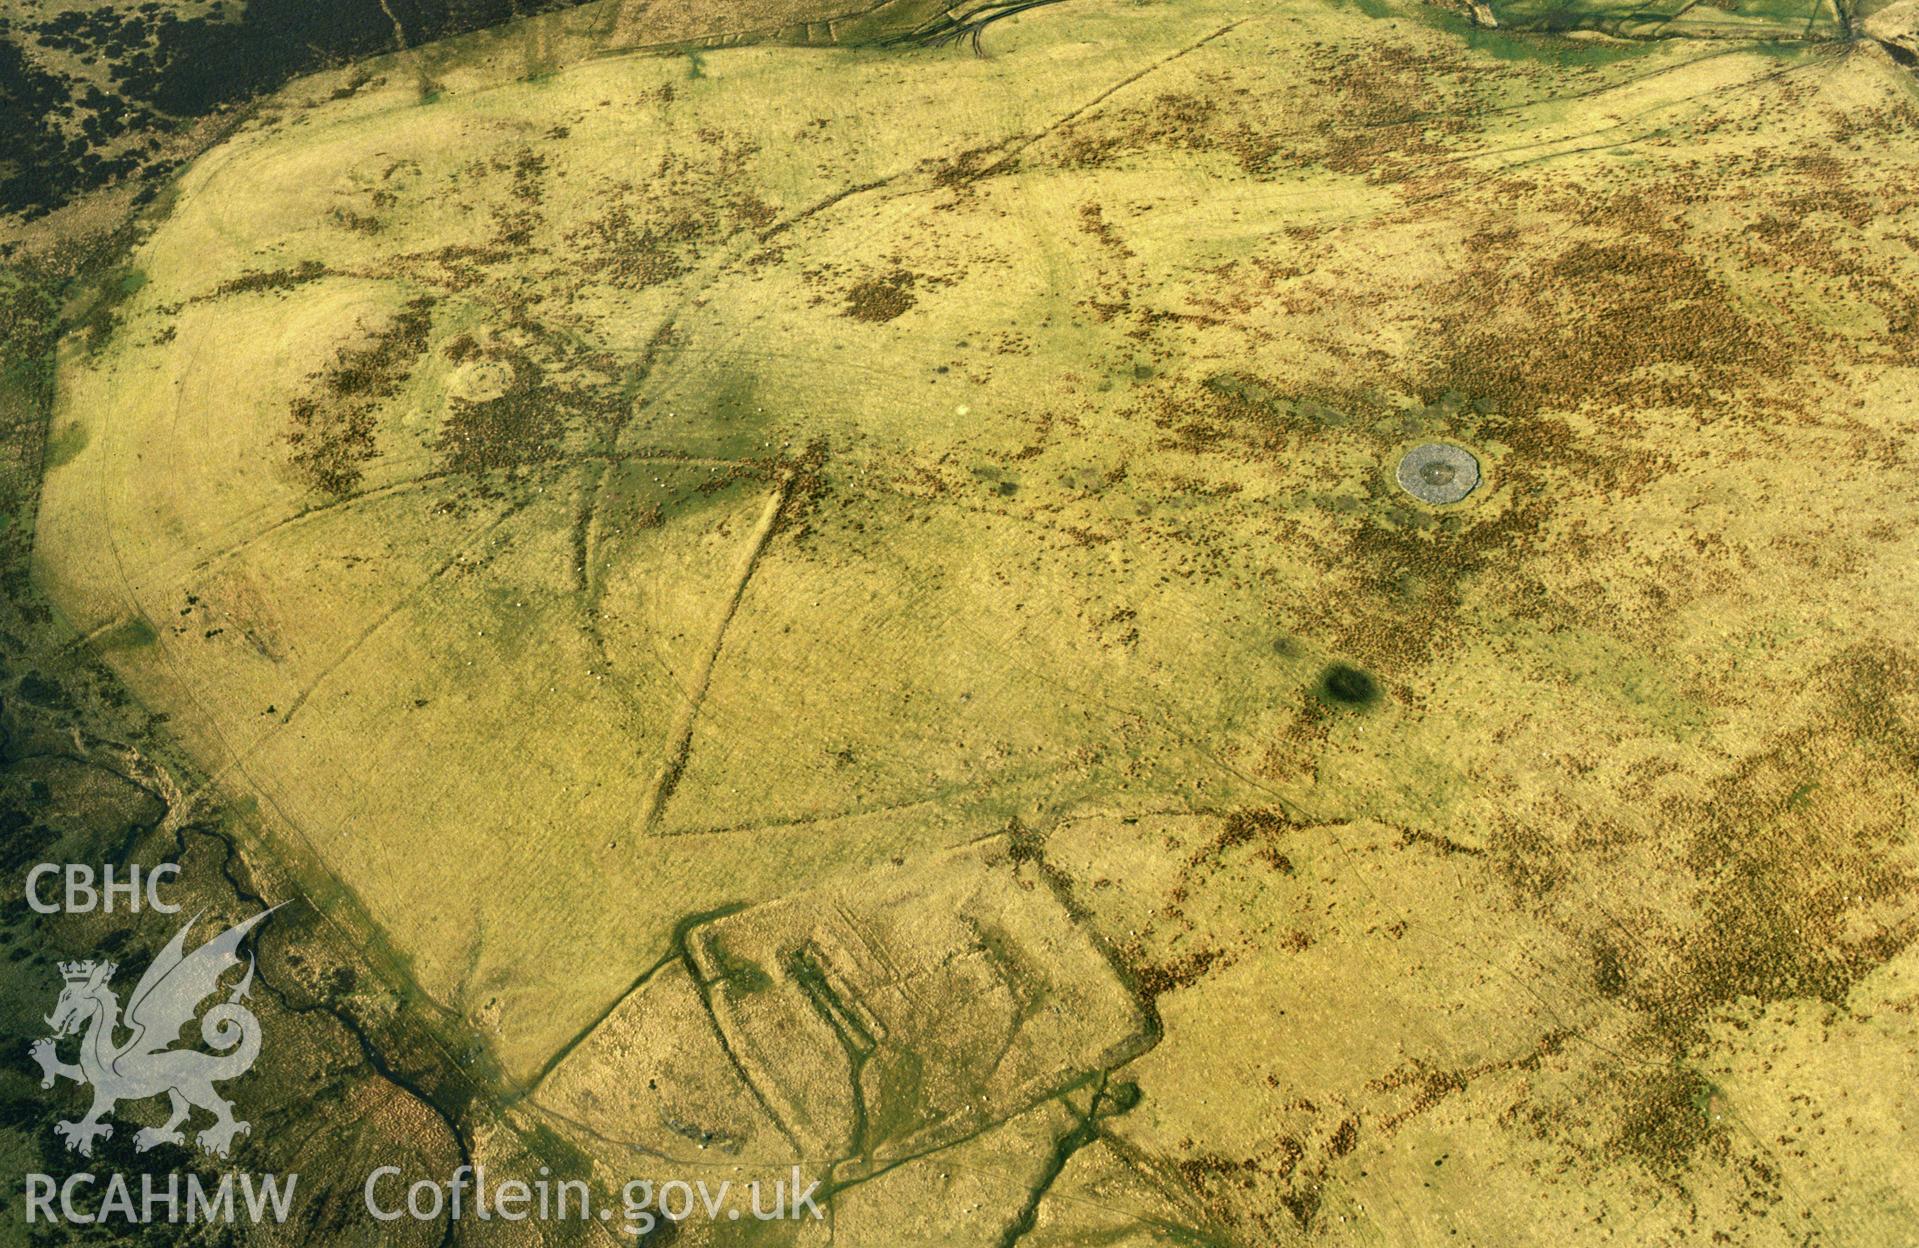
(916, 443)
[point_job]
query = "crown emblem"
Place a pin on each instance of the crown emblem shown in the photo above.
(80, 972)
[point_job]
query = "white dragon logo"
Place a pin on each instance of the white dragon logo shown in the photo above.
(164, 1001)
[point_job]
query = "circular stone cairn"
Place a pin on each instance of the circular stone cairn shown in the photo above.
(1438, 474)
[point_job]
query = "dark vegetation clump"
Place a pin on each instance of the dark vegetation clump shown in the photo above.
(1153, 981)
(269, 279)
(880, 298)
(516, 426)
(1346, 685)
(63, 135)
(331, 428)
(1667, 1117)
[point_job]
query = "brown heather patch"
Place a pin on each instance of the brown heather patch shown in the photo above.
(655, 232)
(1896, 119)
(1874, 692)
(519, 425)
(1224, 1185)
(1155, 979)
(273, 279)
(636, 254)
(1394, 573)
(1609, 324)
(1092, 220)
(1274, 1194)
(960, 172)
(1394, 108)
(331, 428)
(1624, 316)
(1796, 860)
(1420, 1085)
(1663, 1117)
(1168, 120)
(1798, 852)
(1223, 117)
(1244, 827)
(882, 298)
(806, 489)
(358, 222)
(555, 384)
(1383, 112)
(1620, 319)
